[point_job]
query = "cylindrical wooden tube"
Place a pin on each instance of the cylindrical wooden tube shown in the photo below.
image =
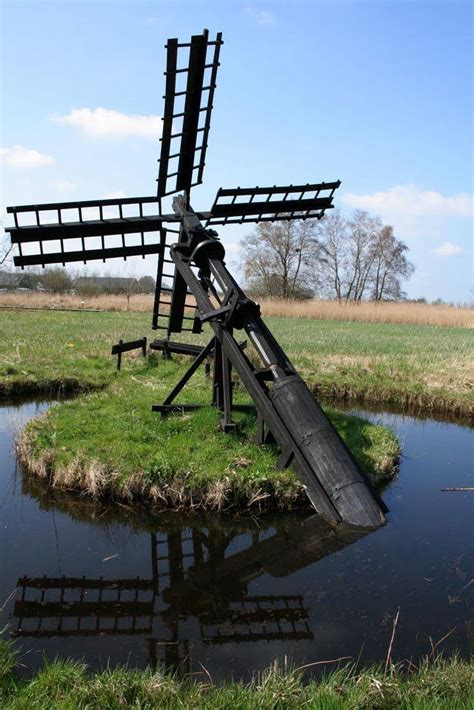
(330, 459)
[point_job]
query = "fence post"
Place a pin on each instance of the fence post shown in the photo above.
(119, 355)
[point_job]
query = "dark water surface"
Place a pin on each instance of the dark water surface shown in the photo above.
(122, 586)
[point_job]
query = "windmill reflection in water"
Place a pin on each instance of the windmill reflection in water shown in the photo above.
(191, 577)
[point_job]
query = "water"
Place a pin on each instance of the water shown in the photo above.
(231, 594)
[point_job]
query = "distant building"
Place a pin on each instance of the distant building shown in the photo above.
(10, 280)
(105, 284)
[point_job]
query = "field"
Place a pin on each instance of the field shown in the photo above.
(427, 368)
(370, 312)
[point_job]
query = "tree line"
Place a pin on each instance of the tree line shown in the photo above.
(58, 280)
(344, 258)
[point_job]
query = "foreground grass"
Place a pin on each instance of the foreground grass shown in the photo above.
(109, 443)
(446, 684)
(426, 367)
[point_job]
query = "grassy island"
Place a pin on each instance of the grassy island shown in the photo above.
(109, 444)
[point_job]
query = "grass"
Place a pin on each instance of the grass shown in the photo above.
(437, 684)
(369, 312)
(426, 368)
(53, 353)
(109, 444)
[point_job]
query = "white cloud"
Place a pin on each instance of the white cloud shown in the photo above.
(261, 17)
(448, 249)
(409, 201)
(107, 123)
(20, 157)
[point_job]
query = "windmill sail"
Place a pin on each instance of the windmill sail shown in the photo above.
(65, 232)
(187, 114)
(186, 122)
(270, 204)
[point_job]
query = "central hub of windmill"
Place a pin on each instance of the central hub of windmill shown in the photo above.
(192, 275)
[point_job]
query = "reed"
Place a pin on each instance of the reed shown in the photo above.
(366, 311)
(372, 312)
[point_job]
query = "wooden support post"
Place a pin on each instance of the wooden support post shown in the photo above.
(226, 422)
(217, 381)
(222, 387)
(263, 434)
(119, 355)
(122, 347)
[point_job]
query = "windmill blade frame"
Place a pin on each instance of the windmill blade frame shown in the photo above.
(86, 230)
(182, 159)
(308, 201)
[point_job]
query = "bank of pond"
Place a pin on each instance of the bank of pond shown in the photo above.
(434, 683)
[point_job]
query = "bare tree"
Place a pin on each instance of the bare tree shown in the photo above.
(32, 278)
(360, 258)
(145, 284)
(332, 235)
(362, 232)
(391, 266)
(6, 251)
(279, 259)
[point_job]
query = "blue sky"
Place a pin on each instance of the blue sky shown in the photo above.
(377, 94)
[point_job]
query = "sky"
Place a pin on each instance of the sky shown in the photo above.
(375, 93)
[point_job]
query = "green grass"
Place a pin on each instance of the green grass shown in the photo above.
(66, 685)
(399, 365)
(110, 443)
(47, 352)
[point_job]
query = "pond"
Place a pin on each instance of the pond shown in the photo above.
(231, 594)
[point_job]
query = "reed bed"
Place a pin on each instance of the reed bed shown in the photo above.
(368, 312)
(105, 302)
(372, 312)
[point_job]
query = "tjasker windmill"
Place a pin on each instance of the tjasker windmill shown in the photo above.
(191, 255)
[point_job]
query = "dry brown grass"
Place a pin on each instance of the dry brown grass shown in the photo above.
(137, 303)
(368, 312)
(38, 299)
(99, 482)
